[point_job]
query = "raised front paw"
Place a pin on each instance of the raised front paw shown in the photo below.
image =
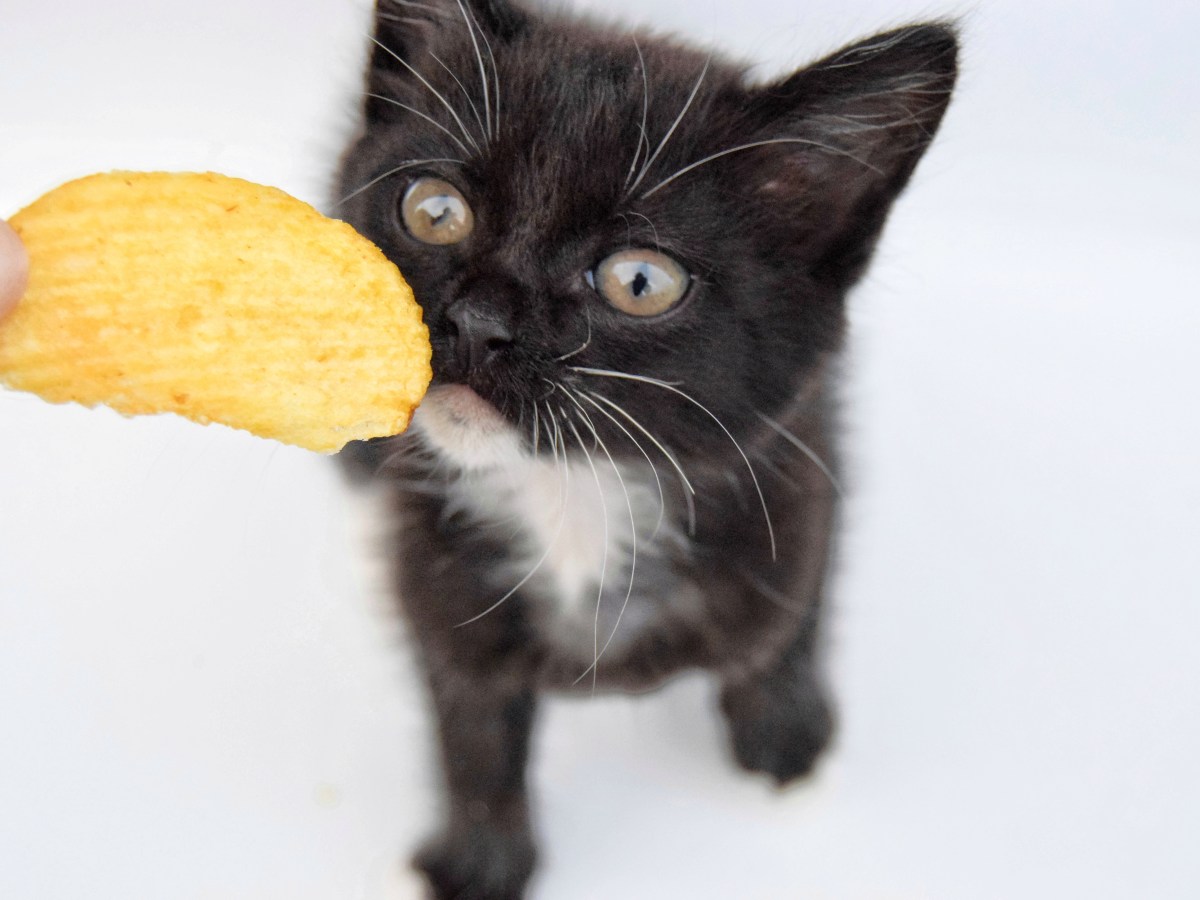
(478, 863)
(778, 727)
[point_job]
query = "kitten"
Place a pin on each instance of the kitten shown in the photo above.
(633, 266)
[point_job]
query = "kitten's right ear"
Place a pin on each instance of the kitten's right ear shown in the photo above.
(409, 34)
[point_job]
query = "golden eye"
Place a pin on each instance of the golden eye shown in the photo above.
(435, 212)
(641, 282)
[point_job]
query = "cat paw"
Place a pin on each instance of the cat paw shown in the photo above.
(778, 729)
(480, 863)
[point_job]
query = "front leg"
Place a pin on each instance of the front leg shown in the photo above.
(780, 719)
(485, 850)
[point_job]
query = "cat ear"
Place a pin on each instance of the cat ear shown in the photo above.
(407, 27)
(844, 137)
(409, 34)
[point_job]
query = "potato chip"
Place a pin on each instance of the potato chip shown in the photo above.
(216, 299)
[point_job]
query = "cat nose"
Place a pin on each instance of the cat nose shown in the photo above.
(478, 331)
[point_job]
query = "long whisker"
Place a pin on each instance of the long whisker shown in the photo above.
(803, 448)
(432, 121)
(657, 243)
(466, 94)
(772, 594)
(595, 666)
(604, 556)
(688, 168)
(495, 81)
(561, 468)
(446, 103)
(643, 141)
(670, 131)
(586, 342)
(689, 493)
(608, 373)
(407, 164)
(558, 528)
(575, 397)
(560, 442)
(611, 404)
(435, 11)
(764, 461)
(662, 499)
(472, 27)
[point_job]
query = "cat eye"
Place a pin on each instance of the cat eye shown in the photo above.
(435, 212)
(640, 282)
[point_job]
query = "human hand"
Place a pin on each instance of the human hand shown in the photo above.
(14, 268)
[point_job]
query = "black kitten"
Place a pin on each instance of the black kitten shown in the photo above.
(633, 266)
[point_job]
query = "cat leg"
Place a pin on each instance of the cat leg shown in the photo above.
(780, 719)
(486, 850)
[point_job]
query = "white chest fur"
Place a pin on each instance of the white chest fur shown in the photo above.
(578, 529)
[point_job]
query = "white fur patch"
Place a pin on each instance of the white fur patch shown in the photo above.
(461, 425)
(575, 526)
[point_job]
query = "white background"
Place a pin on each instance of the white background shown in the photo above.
(204, 694)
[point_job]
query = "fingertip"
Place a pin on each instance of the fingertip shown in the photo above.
(14, 268)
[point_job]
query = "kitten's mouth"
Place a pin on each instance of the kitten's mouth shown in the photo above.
(461, 425)
(463, 407)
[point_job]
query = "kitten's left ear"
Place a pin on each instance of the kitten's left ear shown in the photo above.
(850, 130)
(498, 18)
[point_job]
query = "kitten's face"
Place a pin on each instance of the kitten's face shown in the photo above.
(567, 202)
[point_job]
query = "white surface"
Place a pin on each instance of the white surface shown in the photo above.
(204, 696)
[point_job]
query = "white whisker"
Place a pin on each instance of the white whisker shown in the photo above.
(657, 242)
(803, 448)
(472, 27)
(773, 594)
(432, 121)
(431, 89)
(595, 666)
(629, 228)
(586, 343)
(670, 131)
(495, 82)
(689, 492)
(662, 498)
(466, 94)
(638, 425)
(688, 168)
(643, 140)
(560, 440)
(435, 11)
(407, 164)
(562, 515)
(603, 558)
(608, 373)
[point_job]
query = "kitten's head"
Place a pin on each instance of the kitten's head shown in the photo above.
(583, 211)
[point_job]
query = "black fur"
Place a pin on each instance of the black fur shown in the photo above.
(774, 234)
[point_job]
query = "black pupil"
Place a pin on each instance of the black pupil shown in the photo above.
(639, 284)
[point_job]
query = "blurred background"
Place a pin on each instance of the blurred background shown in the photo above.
(204, 692)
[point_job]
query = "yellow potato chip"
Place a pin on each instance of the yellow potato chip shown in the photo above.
(217, 299)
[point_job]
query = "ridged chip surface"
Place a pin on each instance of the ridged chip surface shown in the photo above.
(216, 299)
